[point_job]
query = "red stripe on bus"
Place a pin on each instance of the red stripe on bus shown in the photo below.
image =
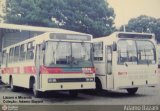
(11, 70)
(29, 70)
(32, 70)
(43, 70)
(47, 70)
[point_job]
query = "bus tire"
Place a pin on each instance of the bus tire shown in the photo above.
(98, 86)
(13, 88)
(73, 93)
(36, 93)
(132, 91)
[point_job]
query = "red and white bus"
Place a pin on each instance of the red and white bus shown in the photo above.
(60, 60)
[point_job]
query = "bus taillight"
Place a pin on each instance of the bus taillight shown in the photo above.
(122, 73)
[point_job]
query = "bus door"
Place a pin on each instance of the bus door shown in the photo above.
(108, 62)
(37, 65)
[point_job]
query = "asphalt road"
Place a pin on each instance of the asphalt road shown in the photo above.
(147, 96)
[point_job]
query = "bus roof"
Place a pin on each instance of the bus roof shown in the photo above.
(35, 28)
(48, 36)
(123, 35)
(135, 33)
(114, 35)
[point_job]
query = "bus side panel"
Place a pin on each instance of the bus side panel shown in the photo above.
(21, 75)
(101, 73)
(158, 73)
(135, 76)
(21, 80)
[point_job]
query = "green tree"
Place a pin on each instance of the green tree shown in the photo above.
(144, 23)
(90, 16)
(157, 30)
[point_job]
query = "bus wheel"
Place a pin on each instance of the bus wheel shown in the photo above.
(35, 92)
(132, 91)
(98, 87)
(73, 93)
(13, 88)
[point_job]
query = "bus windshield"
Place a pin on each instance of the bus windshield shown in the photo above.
(68, 54)
(136, 52)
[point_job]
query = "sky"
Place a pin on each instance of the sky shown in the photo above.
(127, 9)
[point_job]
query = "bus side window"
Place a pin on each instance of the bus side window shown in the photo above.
(109, 59)
(11, 54)
(4, 58)
(22, 52)
(16, 53)
(98, 51)
(41, 55)
(30, 49)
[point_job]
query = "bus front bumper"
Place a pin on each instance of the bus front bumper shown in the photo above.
(135, 86)
(67, 86)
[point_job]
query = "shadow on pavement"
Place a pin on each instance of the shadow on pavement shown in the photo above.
(112, 94)
(65, 95)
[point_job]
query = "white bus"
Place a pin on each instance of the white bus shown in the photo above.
(50, 61)
(125, 60)
(158, 54)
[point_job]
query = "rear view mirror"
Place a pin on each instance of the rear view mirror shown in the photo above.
(114, 46)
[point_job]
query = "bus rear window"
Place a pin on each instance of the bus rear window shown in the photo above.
(136, 52)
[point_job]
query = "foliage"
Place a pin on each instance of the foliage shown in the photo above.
(90, 16)
(144, 24)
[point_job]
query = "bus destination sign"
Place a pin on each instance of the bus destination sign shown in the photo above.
(70, 37)
(135, 36)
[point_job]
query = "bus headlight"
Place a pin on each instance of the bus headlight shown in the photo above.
(52, 80)
(89, 79)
